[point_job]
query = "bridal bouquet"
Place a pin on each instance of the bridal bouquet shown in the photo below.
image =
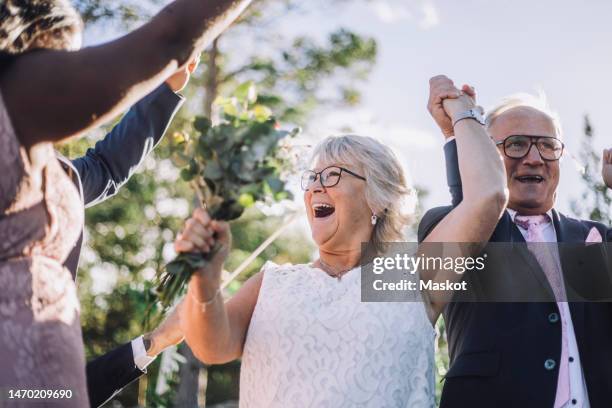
(231, 166)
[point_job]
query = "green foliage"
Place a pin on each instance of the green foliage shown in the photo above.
(596, 199)
(442, 358)
(294, 75)
(295, 78)
(125, 12)
(232, 166)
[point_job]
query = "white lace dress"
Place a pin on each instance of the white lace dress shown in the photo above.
(313, 343)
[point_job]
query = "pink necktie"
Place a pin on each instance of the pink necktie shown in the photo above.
(535, 226)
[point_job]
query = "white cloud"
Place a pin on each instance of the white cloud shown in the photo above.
(395, 11)
(363, 121)
(390, 12)
(430, 16)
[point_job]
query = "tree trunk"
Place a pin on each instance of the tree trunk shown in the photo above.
(190, 388)
(212, 79)
(193, 374)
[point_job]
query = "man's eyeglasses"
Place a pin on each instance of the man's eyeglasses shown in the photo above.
(518, 146)
(329, 176)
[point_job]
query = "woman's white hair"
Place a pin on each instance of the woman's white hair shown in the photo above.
(387, 191)
(538, 102)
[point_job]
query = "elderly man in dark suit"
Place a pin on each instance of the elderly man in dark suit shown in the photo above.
(99, 175)
(555, 353)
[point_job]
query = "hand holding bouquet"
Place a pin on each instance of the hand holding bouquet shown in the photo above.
(231, 166)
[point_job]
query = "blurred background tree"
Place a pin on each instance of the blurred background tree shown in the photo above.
(130, 236)
(595, 202)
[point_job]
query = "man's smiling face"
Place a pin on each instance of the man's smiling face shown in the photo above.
(532, 181)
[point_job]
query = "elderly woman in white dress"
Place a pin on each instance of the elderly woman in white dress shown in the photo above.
(304, 336)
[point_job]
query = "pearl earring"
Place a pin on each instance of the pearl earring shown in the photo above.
(374, 219)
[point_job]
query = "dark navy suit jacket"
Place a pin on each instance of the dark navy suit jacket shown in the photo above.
(498, 350)
(99, 175)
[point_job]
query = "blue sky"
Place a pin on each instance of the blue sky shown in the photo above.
(561, 47)
(501, 47)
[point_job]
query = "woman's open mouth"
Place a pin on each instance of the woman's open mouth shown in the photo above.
(322, 210)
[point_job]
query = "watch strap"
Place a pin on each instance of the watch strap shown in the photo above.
(473, 113)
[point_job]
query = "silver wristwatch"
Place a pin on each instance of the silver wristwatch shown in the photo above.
(474, 113)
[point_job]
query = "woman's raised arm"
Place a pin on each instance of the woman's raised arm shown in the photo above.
(53, 95)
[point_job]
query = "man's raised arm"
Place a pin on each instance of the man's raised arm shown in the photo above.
(109, 165)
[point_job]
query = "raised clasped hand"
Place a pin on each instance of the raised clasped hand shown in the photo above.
(178, 81)
(446, 101)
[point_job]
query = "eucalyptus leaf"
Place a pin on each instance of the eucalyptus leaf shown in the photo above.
(261, 113)
(231, 110)
(213, 171)
(194, 167)
(246, 200)
(202, 124)
(204, 149)
(187, 175)
(276, 184)
(229, 210)
(283, 195)
(246, 92)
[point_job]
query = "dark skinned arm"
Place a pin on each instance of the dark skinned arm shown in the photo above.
(54, 95)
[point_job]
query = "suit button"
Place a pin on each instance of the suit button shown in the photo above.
(553, 317)
(550, 364)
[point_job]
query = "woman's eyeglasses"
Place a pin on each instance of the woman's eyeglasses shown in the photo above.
(329, 176)
(518, 146)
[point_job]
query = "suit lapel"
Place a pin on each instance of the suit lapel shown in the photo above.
(568, 231)
(507, 231)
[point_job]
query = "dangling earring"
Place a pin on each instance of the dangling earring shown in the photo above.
(374, 219)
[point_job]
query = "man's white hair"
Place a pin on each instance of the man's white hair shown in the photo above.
(538, 102)
(387, 191)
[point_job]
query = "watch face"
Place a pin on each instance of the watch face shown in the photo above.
(478, 116)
